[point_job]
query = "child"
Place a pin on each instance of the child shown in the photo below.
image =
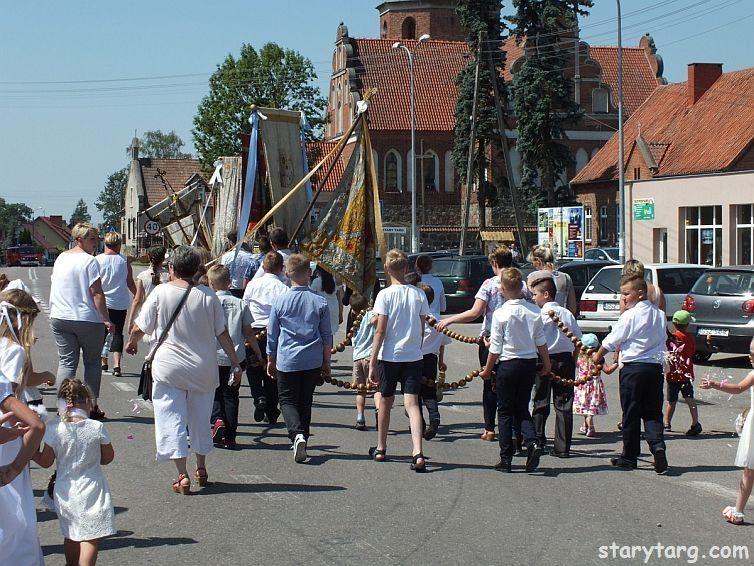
(238, 322)
(433, 348)
(517, 337)
(590, 398)
(562, 357)
(82, 496)
(681, 349)
(299, 339)
(640, 334)
(22, 431)
(362, 351)
(397, 355)
(745, 454)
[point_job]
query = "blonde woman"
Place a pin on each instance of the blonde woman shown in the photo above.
(541, 259)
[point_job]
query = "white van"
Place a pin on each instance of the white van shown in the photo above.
(599, 308)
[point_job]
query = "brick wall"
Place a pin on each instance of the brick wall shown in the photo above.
(438, 19)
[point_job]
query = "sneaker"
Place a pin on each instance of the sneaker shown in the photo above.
(732, 516)
(218, 432)
(590, 432)
(532, 460)
(361, 423)
(272, 416)
(695, 430)
(620, 462)
(667, 428)
(299, 449)
(431, 431)
(583, 429)
(661, 461)
(116, 372)
(230, 444)
(259, 410)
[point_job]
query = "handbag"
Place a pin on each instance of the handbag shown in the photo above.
(145, 379)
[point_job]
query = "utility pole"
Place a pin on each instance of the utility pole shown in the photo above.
(515, 197)
(472, 143)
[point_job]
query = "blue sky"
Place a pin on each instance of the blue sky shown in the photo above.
(60, 140)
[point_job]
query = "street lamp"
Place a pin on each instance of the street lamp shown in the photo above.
(621, 172)
(412, 159)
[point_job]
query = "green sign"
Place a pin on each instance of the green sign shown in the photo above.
(644, 209)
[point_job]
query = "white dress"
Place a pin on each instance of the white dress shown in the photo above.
(745, 454)
(82, 495)
(332, 303)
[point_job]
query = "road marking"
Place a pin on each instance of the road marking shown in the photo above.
(121, 386)
(144, 405)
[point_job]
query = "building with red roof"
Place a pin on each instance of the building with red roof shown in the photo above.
(50, 233)
(689, 172)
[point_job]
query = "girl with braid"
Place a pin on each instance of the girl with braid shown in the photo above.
(82, 495)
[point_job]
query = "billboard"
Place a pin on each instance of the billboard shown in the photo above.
(562, 228)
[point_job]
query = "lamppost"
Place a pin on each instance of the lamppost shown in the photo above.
(412, 159)
(621, 172)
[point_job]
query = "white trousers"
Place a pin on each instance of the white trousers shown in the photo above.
(178, 412)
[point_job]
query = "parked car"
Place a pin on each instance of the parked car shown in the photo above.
(461, 278)
(600, 302)
(581, 272)
(722, 304)
(603, 254)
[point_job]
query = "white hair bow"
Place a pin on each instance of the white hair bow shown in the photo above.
(5, 316)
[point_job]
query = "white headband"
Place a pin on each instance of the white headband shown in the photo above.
(5, 316)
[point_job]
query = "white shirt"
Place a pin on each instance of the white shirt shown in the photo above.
(70, 298)
(438, 303)
(259, 294)
(283, 277)
(333, 303)
(404, 305)
(237, 317)
(517, 330)
(557, 341)
(433, 341)
(113, 270)
(640, 334)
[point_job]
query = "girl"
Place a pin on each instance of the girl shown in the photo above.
(589, 399)
(323, 283)
(745, 454)
(146, 281)
(21, 433)
(82, 495)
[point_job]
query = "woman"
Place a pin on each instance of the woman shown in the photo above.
(541, 258)
(184, 367)
(117, 282)
(654, 293)
(324, 285)
(78, 310)
(146, 281)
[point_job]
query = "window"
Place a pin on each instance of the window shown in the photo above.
(588, 224)
(431, 168)
(384, 30)
(600, 100)
(603, 223)
(582, 158)
(744, 234)
(392, 172)
(450, 180)
(704, 234)
(637, 173)
(408, 29)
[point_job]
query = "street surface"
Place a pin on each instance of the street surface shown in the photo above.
(342, 508)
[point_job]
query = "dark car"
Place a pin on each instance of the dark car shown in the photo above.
(461, 277)
(581, 272)
(722, 304)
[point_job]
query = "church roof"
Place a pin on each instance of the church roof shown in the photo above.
(177, 172)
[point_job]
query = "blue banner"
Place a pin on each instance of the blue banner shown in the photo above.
(251, 175)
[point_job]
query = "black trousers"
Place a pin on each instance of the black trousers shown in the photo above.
(296, 391)
(263, 389)
(513, 381)
(428, 395)
(489, 397)
(118, 318)
(641, 399)
(562, 398)
(225, 406)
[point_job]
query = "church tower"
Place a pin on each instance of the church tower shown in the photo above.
(410, 19)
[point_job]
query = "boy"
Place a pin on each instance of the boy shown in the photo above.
(563, 359)
(517, 337)
(640, 334)
(681, 350)
(401, 311)
(362, 351)
(238, 321)
(299, 339)
(259, 295)
(433, 349)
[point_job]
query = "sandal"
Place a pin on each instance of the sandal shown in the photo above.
(416, 466)
(733, 516)
(201, 476)
(180, 487)
(488, 435)
(378, 455)
(583, 429)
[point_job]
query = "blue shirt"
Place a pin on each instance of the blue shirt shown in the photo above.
(237, 264)
(298, 330)
(364, 337)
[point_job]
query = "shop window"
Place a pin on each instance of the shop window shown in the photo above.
(744, 234)
(704, 234)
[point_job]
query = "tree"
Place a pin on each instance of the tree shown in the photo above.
(542, 94)
(273, 77)
(159, 145)
(111, 200)
(80, 213)
(12, 215)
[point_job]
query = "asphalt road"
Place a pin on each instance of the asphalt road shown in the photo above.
(342, 508)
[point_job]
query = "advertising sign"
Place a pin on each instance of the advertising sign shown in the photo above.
(644, 209)
(562, 228)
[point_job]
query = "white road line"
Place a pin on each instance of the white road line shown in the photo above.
(122, 386)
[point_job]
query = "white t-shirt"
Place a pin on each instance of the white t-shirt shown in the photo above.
(187, 359)
(113, 270)
(259, 294)
(72, 276)
(404, 305)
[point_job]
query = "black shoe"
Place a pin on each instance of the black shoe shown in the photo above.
(272, 416)
(694, 430)
(532, 460)
(259, 410)
(96, 414)
(620, 462)
(116, 372)
(431, 431)
(503, 467)
(561, 454)
(545, 450)
(661, 461)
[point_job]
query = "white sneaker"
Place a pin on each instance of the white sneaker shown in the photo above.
(299, 449)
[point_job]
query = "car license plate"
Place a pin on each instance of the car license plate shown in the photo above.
(610, 306)
(713, 332)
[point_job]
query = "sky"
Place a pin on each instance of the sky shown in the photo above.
(79, 78)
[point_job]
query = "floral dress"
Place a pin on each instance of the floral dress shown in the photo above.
(589, 398)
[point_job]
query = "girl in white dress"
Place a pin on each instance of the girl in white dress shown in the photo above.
(745, 454)
(82, 496)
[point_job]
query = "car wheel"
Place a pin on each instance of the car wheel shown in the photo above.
(701, 357)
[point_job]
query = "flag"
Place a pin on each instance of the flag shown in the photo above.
(349, 238)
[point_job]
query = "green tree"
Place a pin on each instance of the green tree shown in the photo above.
(80, 213)
(111, 200)
(273, 77)
(479, 16)
(542, 94)
(159, 145)
(12, 215)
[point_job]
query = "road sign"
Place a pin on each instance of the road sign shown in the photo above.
(151, 227)
(394, 229)
(644, 209)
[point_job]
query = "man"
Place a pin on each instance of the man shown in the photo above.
(238, 262)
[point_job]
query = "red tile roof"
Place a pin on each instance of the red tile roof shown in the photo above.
(706, 137)
(638, 78)
(177, 172)
(315, 152)
(63, 231)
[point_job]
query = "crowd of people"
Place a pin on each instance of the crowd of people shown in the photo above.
(272, 315)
